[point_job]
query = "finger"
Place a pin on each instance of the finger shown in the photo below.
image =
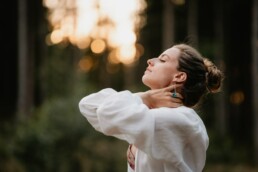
(169, 88)
(175, 100)
(170, 94)
(172, 104)
(178, 95)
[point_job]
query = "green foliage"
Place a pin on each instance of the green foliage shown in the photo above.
(58, 138)
(222, 150)
(58, 70)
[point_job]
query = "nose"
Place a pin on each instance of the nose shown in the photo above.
(150, 62)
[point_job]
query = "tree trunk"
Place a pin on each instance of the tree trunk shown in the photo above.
(254, 38)
(9, 64)
(25, 64)
(220, 99)
(129, 76)
(192, 22)
(168, 25)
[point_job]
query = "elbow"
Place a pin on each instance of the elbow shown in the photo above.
(81, 107)
(85, 109)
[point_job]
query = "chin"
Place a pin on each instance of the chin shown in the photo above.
(147, 83)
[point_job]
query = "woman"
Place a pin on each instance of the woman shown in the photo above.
(163, 131)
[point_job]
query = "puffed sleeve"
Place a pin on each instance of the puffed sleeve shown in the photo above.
(119, 114)
(163, 133)
(88, 105)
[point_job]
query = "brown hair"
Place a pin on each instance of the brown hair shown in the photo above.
(202, 75)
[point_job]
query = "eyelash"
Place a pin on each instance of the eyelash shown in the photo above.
(162, 60)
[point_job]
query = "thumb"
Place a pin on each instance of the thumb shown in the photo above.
(169, 88)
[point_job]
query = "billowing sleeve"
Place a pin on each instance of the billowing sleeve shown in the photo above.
(119, 114)
(163, 133)
(88, 105)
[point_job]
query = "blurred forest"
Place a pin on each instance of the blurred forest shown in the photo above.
(41, 128)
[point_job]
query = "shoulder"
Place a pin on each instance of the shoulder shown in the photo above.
(178, 115)
(183, 119)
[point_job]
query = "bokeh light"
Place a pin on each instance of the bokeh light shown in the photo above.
(102, 25)
(178, 2)
(98, 46)
(86, 64)
(237, 97)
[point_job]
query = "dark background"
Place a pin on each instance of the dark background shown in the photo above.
(41, 128)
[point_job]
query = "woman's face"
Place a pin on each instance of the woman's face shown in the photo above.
(161, 70)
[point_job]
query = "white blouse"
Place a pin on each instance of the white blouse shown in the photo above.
(168, 139)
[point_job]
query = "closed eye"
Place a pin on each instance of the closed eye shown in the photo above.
(161, 60)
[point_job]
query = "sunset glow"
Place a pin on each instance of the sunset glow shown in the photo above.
(102, 25)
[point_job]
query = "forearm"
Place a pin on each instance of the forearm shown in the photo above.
(145, 96)
(160, 98)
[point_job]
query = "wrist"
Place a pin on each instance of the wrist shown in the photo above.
(145, 96)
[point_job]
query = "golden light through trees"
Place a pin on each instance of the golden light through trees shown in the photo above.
(101, 25)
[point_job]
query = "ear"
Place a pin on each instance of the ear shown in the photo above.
(179, 77)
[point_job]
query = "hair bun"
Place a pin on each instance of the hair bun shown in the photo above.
(214, 76)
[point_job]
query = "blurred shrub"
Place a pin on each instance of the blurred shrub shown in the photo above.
(224, 150)
(59, 139)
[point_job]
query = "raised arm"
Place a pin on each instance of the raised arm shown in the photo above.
(161, 98)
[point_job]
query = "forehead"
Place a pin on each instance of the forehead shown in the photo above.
(172, 53)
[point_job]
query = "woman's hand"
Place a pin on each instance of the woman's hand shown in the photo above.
(161, 98)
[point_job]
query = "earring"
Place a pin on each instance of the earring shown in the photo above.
(174, 93)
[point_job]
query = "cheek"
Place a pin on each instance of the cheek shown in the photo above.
(164, 76)
(164, 81)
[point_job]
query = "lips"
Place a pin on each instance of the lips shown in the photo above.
(148, 69)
